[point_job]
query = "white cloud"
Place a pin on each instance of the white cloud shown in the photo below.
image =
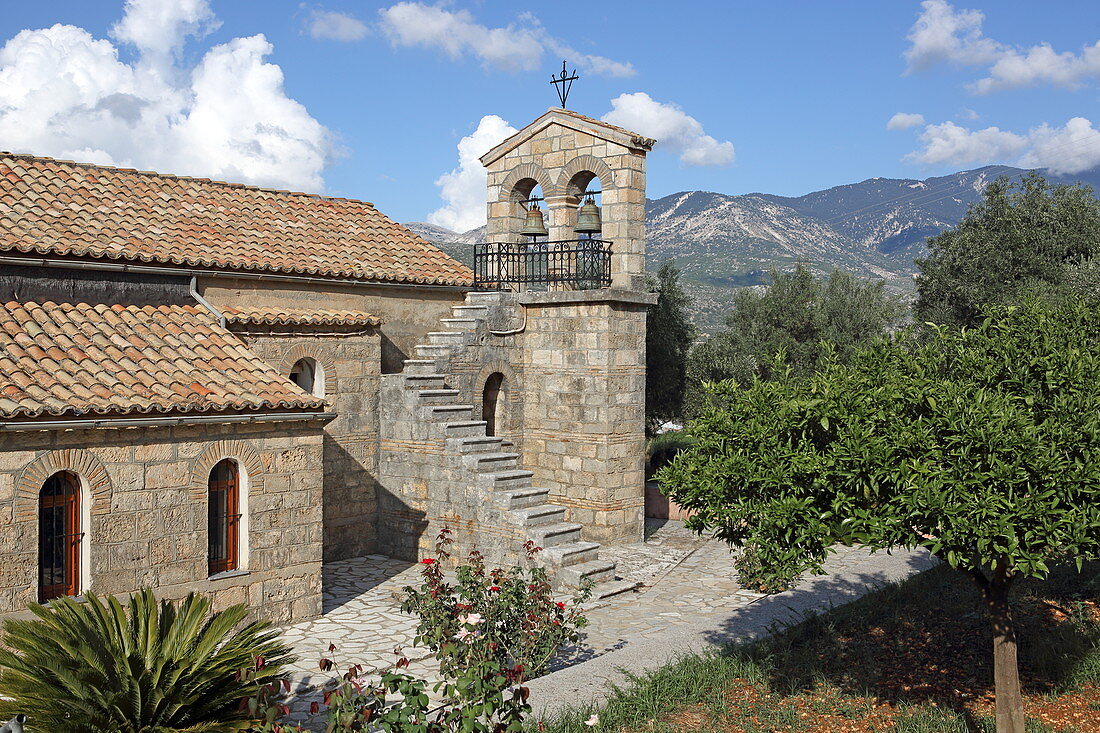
(968, 114)
(66, 94)
(951, 143)
(158, 29)
(463, 189)
(905, 120)
(943, 34)
(1072, 148)
(515, 47)
(671, 126)
(334, 26)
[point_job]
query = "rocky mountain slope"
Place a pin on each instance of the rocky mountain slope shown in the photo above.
(874, 229)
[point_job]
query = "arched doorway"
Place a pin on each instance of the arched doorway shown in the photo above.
(224, 518)
(309, 375)
(60, 536)
(492, 403)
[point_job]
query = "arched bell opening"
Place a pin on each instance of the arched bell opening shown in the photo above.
(530, 219)
(583, 196)
(494, 398)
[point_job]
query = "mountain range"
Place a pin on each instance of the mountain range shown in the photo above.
(874, 229)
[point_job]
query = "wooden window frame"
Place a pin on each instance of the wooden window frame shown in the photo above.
(67, 497)
(224, 517)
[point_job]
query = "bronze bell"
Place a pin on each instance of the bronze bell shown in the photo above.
(535, 225)
(588, 218)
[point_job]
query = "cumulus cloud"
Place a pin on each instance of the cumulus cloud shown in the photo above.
(516, 47)
(905, 120)
(463, 189)
(66, 94)
(1072, 148)
(334, 26)
(943, 34)
(1069, 149)
(671, 126)
(951, 143)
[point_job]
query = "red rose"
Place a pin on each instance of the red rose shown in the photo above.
(428, 561)
(561, 605)
(494, 587)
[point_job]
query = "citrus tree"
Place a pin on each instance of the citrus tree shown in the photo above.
(981, 445)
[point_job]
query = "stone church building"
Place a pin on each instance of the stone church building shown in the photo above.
(214, 387)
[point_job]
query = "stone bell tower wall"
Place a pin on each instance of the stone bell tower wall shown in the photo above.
(562, 152)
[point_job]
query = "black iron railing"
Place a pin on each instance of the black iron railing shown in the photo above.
(577, 264)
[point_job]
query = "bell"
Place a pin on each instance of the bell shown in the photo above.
(588, 218)
(535, 226)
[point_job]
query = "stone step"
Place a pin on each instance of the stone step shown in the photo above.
(469, 311)
(437, 396)
(593, 571)
(465, 428)
(612, 588)
(475, 444)
(433, 350)
(460, 324)
(480, 297)
(571, 553)
(491, 462)
(425, 381)
(500, 480)
(447, 338)
(521, 497)
(450, 413)
(419, 366)
(539, 514)
(560, 533)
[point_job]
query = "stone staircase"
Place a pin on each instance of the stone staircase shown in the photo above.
(502, 488)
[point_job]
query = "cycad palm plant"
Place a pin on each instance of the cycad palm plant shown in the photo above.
(150, 667)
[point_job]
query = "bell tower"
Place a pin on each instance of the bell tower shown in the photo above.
(565, 241)
(565, 155)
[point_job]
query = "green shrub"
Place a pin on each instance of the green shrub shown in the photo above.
(764, 575)
(664, 447)
(149, 667)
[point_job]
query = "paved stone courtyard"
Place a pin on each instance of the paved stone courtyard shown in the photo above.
(687, 596)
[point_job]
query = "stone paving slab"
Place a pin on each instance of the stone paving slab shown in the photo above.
(688, 598)
(699, 605)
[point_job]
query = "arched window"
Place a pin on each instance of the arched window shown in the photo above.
(309, 375)
(224, 513)
(491, 403)
(59, 536)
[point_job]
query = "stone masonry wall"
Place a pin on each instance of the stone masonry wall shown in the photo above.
(351, 363)
(584, 407)
(574, 374)
(409, 312)
(147, 490)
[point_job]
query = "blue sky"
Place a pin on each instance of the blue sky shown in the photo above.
(781, 97)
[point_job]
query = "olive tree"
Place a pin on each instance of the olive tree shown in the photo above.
(797, 314)
(981, 445)
(669, 335)
(1017, 240)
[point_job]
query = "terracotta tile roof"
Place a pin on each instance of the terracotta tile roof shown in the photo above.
(59, 207)
(77, 359)
(270, 316)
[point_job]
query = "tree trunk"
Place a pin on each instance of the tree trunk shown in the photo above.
(1006, 672)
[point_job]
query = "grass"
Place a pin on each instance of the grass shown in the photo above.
(913, 657)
